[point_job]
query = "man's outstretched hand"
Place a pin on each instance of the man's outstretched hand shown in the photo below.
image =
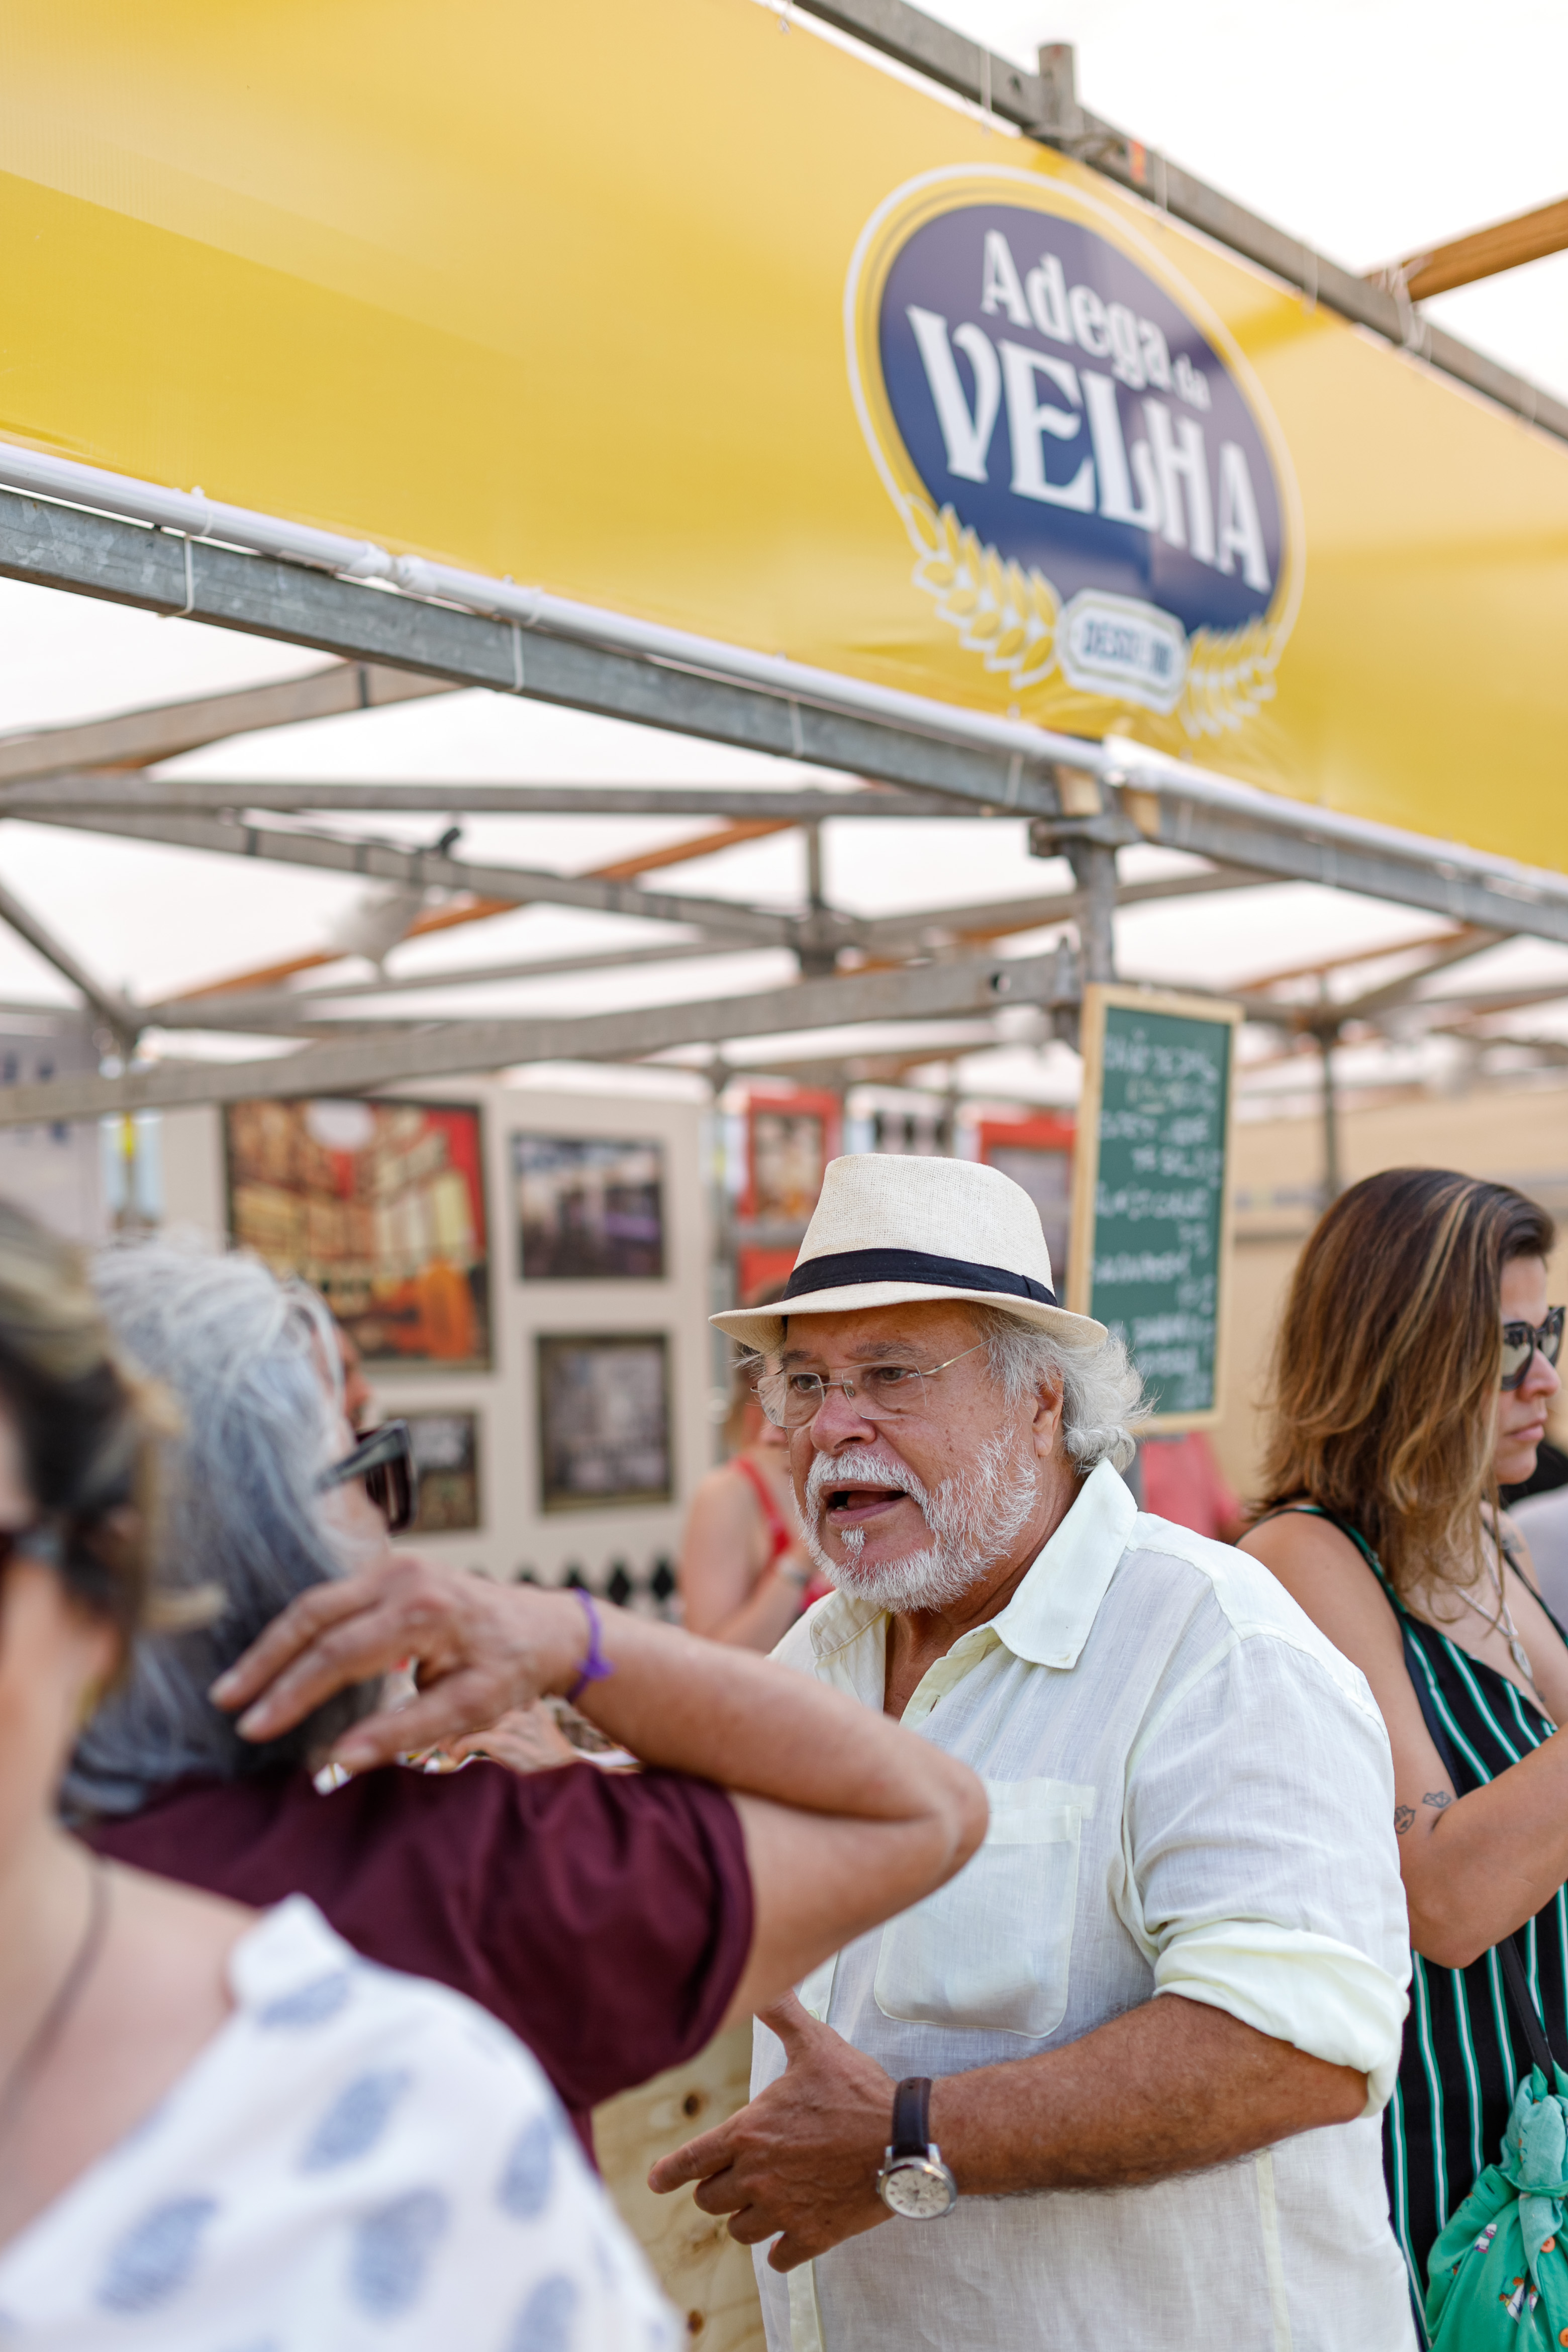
(802, 2158)
(480, 1649)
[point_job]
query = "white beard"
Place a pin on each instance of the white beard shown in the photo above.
(974, 1518)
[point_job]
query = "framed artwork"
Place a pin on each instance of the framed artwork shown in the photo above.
(588, 1208)
(604, 1420)
(447, 1456)
(790, 1139)
(381, 1207)
(1037, 1154)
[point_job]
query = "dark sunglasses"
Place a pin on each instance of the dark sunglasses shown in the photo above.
(1521, 1341)
(384, 1460)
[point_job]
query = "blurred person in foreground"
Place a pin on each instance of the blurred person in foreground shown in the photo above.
(1176, 1973)
(745, 1574)
(613, 1921)
(1412, 1372)
(215, 2125)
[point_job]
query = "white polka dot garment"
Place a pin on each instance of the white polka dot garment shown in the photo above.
(356, 2159)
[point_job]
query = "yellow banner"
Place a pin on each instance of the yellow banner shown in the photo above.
(691, 314)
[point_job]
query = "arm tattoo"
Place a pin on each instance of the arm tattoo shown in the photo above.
(1402, 1817)
(1438, 1798)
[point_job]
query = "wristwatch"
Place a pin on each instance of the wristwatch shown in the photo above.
(914, 2181)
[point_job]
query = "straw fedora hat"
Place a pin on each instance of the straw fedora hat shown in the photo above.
(890, 1228)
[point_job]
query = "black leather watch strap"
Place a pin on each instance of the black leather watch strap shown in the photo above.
(911, 2116)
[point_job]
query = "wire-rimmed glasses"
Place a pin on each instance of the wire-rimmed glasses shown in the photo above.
(878, 1392)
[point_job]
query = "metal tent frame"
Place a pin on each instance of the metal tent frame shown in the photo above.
(402, 627)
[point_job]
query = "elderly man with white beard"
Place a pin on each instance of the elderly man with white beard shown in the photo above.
(1117, 2083)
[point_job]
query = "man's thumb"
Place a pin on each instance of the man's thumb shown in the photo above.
(793, 2023)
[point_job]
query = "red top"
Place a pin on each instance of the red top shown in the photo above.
(1182, 1481)
(780, 1536)
(605, 1916)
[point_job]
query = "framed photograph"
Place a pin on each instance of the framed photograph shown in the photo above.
(447, 1456)
(588, 1208)
(381, 1207)
(790, 1139)
(604, 1420)
(1037, 1154)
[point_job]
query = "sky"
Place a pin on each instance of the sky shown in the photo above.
(1369, 129)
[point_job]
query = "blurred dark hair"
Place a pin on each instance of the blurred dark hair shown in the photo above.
(1384, 1382)
(85, 1424)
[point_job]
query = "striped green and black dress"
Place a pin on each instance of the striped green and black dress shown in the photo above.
(1463, 2054)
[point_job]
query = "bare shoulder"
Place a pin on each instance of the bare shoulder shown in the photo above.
(1515, 1541)
(1326, 1576)
(167, 1916)
(724, 1497)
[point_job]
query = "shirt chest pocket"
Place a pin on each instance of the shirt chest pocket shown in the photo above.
(990, 1950)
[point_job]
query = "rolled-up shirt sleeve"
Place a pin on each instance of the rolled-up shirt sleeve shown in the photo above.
(1261, 1873)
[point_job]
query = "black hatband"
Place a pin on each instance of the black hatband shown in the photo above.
(844, 1267)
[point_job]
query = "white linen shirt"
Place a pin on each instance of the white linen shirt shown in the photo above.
(1190, 1791)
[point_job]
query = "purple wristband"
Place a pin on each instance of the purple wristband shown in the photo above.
(595, 1666)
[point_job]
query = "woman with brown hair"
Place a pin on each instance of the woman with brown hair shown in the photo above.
(1412, 1374)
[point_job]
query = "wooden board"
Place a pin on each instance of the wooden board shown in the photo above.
(1150, 1229)
(705, 2273)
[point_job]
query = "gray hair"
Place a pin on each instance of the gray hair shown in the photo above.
(1103, 1393)
(252, 1366)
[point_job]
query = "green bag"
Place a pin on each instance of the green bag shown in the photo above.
(1499, 2273)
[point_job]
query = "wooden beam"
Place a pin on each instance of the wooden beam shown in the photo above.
(477, 910)
(277, 1007)
(682, 853)
(1485, 252)
(1441, 941)
(420, 869)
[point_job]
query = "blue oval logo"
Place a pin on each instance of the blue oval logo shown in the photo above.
(1092, 470)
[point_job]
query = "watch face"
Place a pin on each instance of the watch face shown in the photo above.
(919, 2189)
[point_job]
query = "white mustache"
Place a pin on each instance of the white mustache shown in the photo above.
(858, 1465)
(971, 1519)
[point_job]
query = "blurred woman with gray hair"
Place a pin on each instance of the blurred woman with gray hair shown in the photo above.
(246, 1523)
(210, 2119)
(613, 1921)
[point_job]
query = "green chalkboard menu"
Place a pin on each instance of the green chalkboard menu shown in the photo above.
(1151, 1231)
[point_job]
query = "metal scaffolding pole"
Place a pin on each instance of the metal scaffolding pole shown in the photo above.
(1333, 1179)
(1094, 870)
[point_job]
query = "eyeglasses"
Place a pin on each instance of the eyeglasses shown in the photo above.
(384, 1460)
(877, 1392)
(1521, 1341)
(38, 1541)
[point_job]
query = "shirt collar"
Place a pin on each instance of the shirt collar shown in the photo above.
(1047, 1621)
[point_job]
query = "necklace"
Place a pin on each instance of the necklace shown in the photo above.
(1503, 1623)
(51, 2026)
